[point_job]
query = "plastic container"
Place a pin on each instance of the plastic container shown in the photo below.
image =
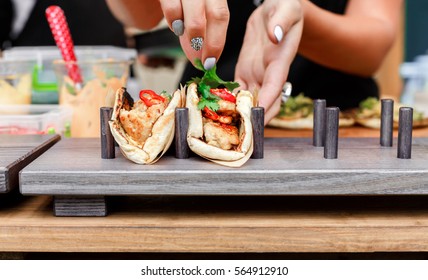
(35, 119)
(415, 91)
(15, 82)
(100, 77)
(44, 82)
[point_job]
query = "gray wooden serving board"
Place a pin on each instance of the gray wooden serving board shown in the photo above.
(291, 166)
(17, 151)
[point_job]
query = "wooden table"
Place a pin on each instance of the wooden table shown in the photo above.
(16, 152)
(225, 223)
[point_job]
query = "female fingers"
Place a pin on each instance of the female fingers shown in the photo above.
(173, 13)
(273, 110)
(194, 22)
(201, 25)
(280, 16)
(217, 20)
(278, 60)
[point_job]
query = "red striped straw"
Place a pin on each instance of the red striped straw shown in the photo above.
(61, 33)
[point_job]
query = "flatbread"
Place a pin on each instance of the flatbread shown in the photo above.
(244, 101)
(375, 123)
(161, 136)
(306, 123)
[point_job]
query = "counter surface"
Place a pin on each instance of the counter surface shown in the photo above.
(225, 223)
(16, 151)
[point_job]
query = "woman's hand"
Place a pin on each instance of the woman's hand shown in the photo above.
(201, 26)
(270, 45)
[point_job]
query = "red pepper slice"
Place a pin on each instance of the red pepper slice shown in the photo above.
(208, 113)
(149, 97)
(224, 94)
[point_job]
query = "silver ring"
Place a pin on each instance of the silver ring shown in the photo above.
(286, 92)
(196, 43)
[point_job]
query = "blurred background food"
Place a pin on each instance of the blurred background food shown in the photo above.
(28, 76)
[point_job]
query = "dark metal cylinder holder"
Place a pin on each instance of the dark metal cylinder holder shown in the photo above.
(331, 133)
(405, 130)
(258, 123)
(181, 127)
(107, 140)
(319, 122)
(387, 122)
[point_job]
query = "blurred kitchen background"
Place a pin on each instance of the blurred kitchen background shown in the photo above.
(156, 63)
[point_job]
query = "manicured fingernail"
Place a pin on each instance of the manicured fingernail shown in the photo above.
(178, 27)
(209, 63)
(196, 43)
(278, 33)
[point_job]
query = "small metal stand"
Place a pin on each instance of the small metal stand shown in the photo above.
(319, 122)
(258, 122)
(405, 130)
(386, 122)
(182, 150)
(107, 140)
(331, 133)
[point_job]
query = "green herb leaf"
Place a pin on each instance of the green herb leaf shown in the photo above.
(199, 65)
(208, 81)
(211, 78)
(210, 103)
(166, 95)
(204, 90)
(195, 80)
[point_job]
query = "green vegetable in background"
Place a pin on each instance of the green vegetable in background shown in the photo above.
(371, 108)
(298, 105)
(369, 103)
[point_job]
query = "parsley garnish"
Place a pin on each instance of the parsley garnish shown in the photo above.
(166, 95)
(210, 103)
(208, 81)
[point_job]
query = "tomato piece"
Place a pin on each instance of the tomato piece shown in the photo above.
(208, 113)
(229, 128)
(149, 97)
(224, 94)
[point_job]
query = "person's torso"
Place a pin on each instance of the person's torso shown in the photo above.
(319, 82)
(316, 81)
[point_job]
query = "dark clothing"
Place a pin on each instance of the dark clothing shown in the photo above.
(6, 16)
(315, 81)
(90, 23)
(319, 82)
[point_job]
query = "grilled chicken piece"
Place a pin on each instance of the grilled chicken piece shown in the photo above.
(138, 122)
(221, 135)
(226, 108)
(225, 119)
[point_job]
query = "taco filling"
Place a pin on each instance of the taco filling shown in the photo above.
(144, 128)
(221, 126)
(137, 121)
(219, 121)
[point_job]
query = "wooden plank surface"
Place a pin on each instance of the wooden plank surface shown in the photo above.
(16, 151)
(222, 224)
(291, 166)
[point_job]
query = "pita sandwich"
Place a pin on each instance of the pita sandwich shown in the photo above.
(369, 114)
(297, 113)
(144, 129)
(224, 136)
